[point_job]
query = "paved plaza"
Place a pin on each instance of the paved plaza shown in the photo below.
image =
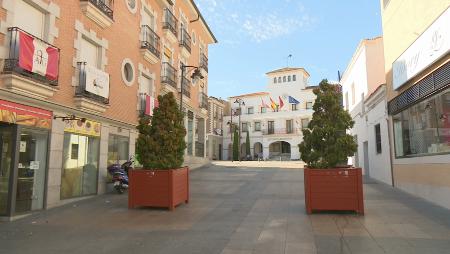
(237, 208)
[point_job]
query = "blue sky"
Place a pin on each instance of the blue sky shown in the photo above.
(256, 36)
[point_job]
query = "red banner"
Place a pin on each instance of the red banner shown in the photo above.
(11, 112)
(37, 56)
(150, 105)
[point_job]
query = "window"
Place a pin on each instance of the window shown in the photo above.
(289, 78)
(294, 107)
(423, 129)
(89, 53)
(284, 79)
(294, 77)
(132, 6)
(378, 138)
(275, 80)
(279, 79)
(353, 94)
(80, 165)
(257, 126)
(305, 123)
(263, 109)
(250, 110)
(118, 149)
(270, 127)
(309, 105)
(244, 127)
(148, 19)
(29, 18)
(289, 126)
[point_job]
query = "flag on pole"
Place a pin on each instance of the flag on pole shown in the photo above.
(37, 56)
(273, 105)
(292, 100)
(281, 102)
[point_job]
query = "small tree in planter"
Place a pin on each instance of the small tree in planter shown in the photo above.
(325, 149)
(235, 144)
(162, 182)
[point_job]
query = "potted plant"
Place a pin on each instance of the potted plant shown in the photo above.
(161, 182)
(329, 183)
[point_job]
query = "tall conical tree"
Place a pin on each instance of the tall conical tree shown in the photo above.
(247, 145)
(161, 144)
(325, 142)
(235, 144)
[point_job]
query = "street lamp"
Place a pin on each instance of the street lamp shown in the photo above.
(196, 76)
(240, 102)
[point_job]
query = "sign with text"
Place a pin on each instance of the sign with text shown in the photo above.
(97, 81)
(88, 127)
(427, 49)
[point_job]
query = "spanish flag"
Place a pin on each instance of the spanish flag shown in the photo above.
(273, 105)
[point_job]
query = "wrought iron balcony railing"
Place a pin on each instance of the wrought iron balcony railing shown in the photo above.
(273, 131)
(151, 41)
(186, 87)
(170, 22)
(203, 100)
(204, 62)
(168, 75)
(82, 90)
(105, 6)
(185, 40)
(15, 63)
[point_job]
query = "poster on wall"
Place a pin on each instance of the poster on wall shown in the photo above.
(88, 127)
(97, 81)
(14, 113)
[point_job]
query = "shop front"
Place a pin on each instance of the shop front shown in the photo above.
(24, 145)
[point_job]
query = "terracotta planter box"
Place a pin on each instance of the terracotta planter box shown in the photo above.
(158, 188)
(338, 189)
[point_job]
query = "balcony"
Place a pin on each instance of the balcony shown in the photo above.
(185, 43)
(204, 64)
(99, 11)
(203, 101)
(186, 87)
(150, 45)
(170, 26)
(92, 92)
(281, 131)
(31, 73)
(169, 75)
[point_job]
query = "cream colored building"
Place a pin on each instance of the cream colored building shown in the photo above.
(214, 127)
(417, 64)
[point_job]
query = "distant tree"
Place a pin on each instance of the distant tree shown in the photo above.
(247, 146)
(161, 143)
(326, 143)
(235, 144)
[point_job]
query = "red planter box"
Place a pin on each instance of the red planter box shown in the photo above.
(337, 189)
(158, 188)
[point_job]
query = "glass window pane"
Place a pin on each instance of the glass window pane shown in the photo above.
(6, 155)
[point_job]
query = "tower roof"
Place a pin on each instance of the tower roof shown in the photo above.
(286, 69)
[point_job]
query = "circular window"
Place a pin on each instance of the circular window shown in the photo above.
(194, 39)
(132, 5)
(128, 72)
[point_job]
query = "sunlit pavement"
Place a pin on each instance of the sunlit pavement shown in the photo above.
(236, 208)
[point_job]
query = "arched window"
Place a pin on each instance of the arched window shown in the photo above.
(284, 79)
(279, 79)
(289, 78)
(275, 80)
(294, 77)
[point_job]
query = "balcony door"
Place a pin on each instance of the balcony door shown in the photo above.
(29, 18)
(270, 127)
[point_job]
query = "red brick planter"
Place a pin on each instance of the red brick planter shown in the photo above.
(337, 189)
(158, 188)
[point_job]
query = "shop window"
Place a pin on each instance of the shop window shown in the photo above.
(378, 138)
(80, 173)
(118, 147)
(424, 128)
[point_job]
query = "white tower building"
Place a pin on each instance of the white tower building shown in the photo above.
(274, 118)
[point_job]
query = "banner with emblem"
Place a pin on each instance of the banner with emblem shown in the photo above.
(86, 127)
(97, 81)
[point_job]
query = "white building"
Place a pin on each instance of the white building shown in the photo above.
(365, 98)
(275, 118)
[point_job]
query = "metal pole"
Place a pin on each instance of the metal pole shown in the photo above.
(181, 85)
(239, 147)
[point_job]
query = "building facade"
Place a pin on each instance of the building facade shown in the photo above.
(364, 96)
(216, 109)
(274, 119)
(76, 75)
(417, 65)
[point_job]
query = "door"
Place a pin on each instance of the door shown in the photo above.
(31, 170)
(366, 158)
(7, 145)
(220, 152)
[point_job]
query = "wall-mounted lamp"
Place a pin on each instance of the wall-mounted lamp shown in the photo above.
(70, 118)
